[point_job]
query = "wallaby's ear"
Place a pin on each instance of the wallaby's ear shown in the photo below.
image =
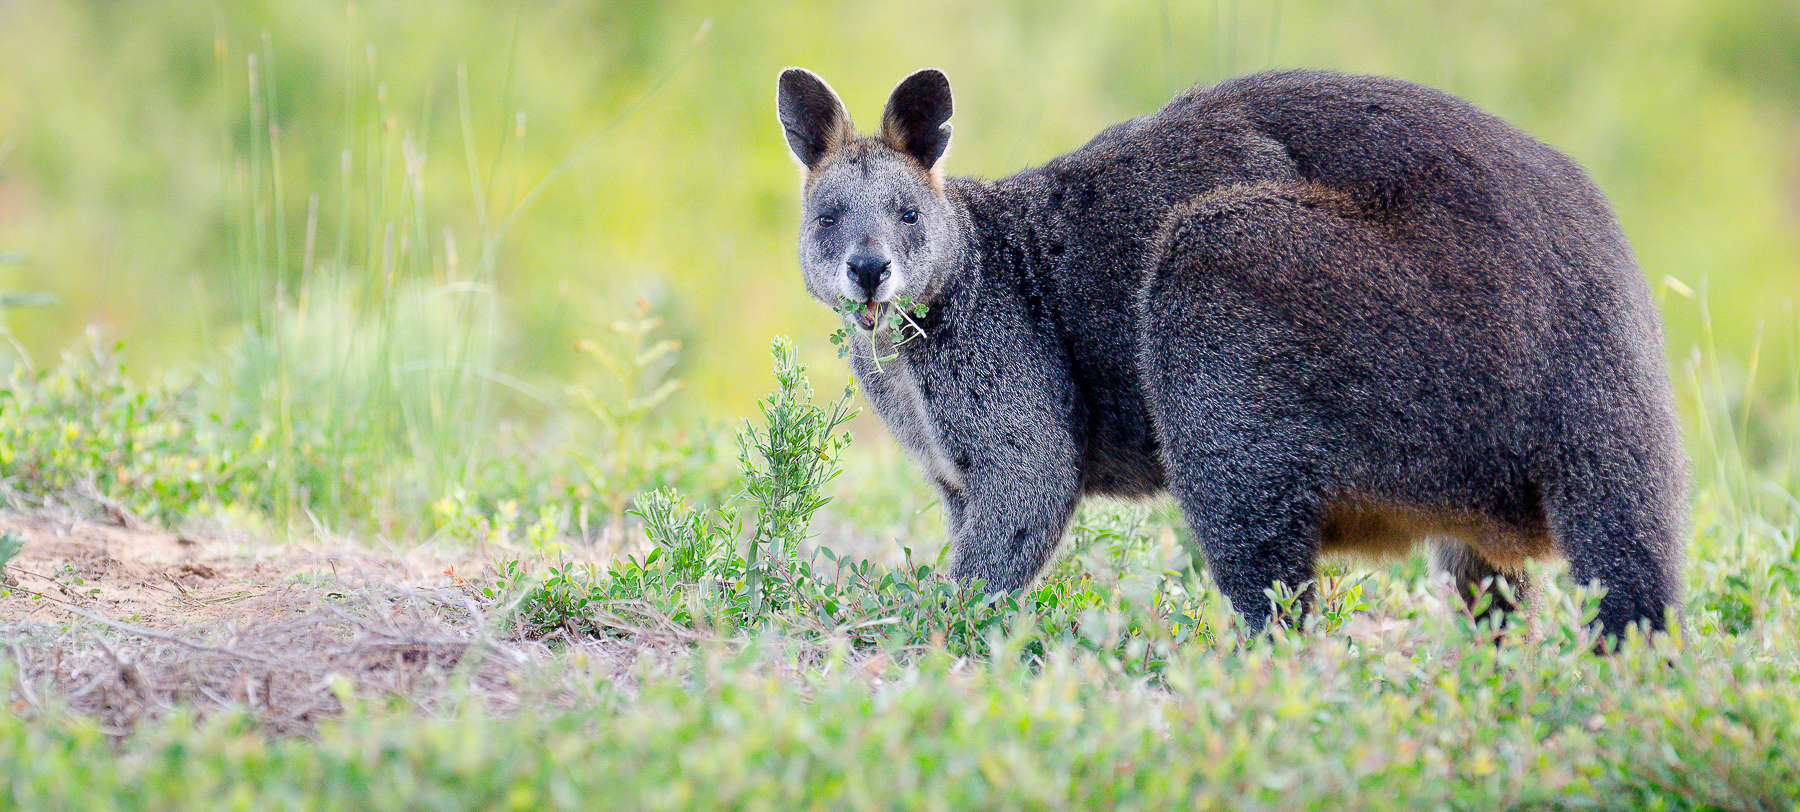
(812, 116)
(914, 119)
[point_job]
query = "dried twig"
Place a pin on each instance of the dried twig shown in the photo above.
(144, 632)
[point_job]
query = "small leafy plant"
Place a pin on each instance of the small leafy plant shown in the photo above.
(787, 465)
(702, 576)
(639, 368)
(784, 466)
(892, 322)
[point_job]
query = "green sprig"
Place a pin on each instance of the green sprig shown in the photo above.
(893, 322)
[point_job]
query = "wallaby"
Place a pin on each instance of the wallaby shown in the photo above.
(1326, 312)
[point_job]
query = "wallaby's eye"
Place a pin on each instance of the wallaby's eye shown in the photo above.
(827, 221)
(910, 216)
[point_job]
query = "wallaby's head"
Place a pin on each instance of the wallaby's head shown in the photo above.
(875, 225)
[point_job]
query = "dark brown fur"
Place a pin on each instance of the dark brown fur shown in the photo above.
(1326, 312)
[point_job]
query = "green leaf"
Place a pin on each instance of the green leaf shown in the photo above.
(10, 545)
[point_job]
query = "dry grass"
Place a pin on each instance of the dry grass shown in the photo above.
(110, 619)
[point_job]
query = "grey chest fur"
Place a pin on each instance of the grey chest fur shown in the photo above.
(893, 389)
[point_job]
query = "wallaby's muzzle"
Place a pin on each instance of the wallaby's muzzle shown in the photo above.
(867, 273)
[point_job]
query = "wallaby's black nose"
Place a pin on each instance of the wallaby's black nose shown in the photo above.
(867, 272)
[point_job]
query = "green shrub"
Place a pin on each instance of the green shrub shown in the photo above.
(1114, 595)
(84, 423)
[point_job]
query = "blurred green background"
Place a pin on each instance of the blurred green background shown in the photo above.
(175, 173)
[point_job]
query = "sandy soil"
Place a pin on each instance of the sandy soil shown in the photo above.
(104, 615)
(163, 580)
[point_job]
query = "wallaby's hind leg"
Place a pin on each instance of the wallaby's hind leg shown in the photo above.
(1221, 371)
(1626, 536)
(1246, 487)
(1252, 536)
(1474, 577)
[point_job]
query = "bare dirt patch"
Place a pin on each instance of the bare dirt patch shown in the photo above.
(122, 621)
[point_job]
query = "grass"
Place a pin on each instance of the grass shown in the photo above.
(133, 188)
(651, 615)
(1421, 716)
(1118, 682)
